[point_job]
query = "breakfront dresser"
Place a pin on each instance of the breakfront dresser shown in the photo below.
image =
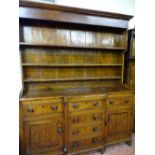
(73, 99)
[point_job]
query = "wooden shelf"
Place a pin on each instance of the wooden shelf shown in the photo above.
(73, 79)
(23, 44)
(70, 65)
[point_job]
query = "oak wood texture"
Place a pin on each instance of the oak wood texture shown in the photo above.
(73, 98)
(31, 10)
(129, 76)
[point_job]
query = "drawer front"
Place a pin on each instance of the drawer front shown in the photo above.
(85, 117)
(85, 132)
(96, 140)
(95, 117)
(85, 143)
(76, 106)
(92, 104)
(76, 133)
(96, 129)
(121, 101)
(41, 107)
(77, 144)
(76, 119)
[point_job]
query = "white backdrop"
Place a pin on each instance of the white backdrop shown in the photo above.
(118, 6)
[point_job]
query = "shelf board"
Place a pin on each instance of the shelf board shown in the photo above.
(70, 65)
(73, 79)
(38, 45)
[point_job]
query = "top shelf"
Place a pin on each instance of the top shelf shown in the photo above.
(38, 45)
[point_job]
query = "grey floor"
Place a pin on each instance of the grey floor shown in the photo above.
(118, 149)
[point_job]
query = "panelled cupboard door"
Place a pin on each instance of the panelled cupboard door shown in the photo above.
(44, 135)
(118, 123)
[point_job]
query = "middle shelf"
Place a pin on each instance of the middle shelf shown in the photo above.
(69, 65)
(74, 79)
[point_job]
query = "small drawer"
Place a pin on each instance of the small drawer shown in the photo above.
(95, 140)
(76, 144)
(121, 102)
(96, 129)
(94, 104)
(95, 117)
(75, 133)
(76, 106)
(41, 107)
(77, 119)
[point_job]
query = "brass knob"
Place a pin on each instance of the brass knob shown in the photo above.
(30, 110)
(75, 144)
(95, 129)
(59, 130)
(75, 120)
(75, 106)
(95, 116)
(95, 103)
(75, 132)
(54, 107)
(111, 101)
(94, 140)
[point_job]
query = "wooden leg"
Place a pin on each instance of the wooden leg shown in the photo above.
(129, 142)
(102, 151)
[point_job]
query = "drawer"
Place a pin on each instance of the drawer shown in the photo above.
(94, 104)
(75, 119)
(76, 133)
(76, 106)
(85, 117)
(79, 144)
(41, 107)
(119, 101)
(95, 117)
(96, 129)
(95, 140)
(91, 104)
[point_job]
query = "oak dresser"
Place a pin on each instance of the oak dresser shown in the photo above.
(73, 99)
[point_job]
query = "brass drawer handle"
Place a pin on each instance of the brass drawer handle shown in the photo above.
(75, 120)
(95, 116)
(75, 106)
(75, 132)
(94, 140)
(75, 144)
(60, 130)
(54, 107)
(95, 103)
(95, 129)
(30, 110)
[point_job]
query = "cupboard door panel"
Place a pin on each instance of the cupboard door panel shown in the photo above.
(43, 135)
(118, 123)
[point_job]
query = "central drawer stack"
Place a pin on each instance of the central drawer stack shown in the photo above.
(85, 122)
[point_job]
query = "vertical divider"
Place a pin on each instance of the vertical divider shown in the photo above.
(122, 67)
(65, 125)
